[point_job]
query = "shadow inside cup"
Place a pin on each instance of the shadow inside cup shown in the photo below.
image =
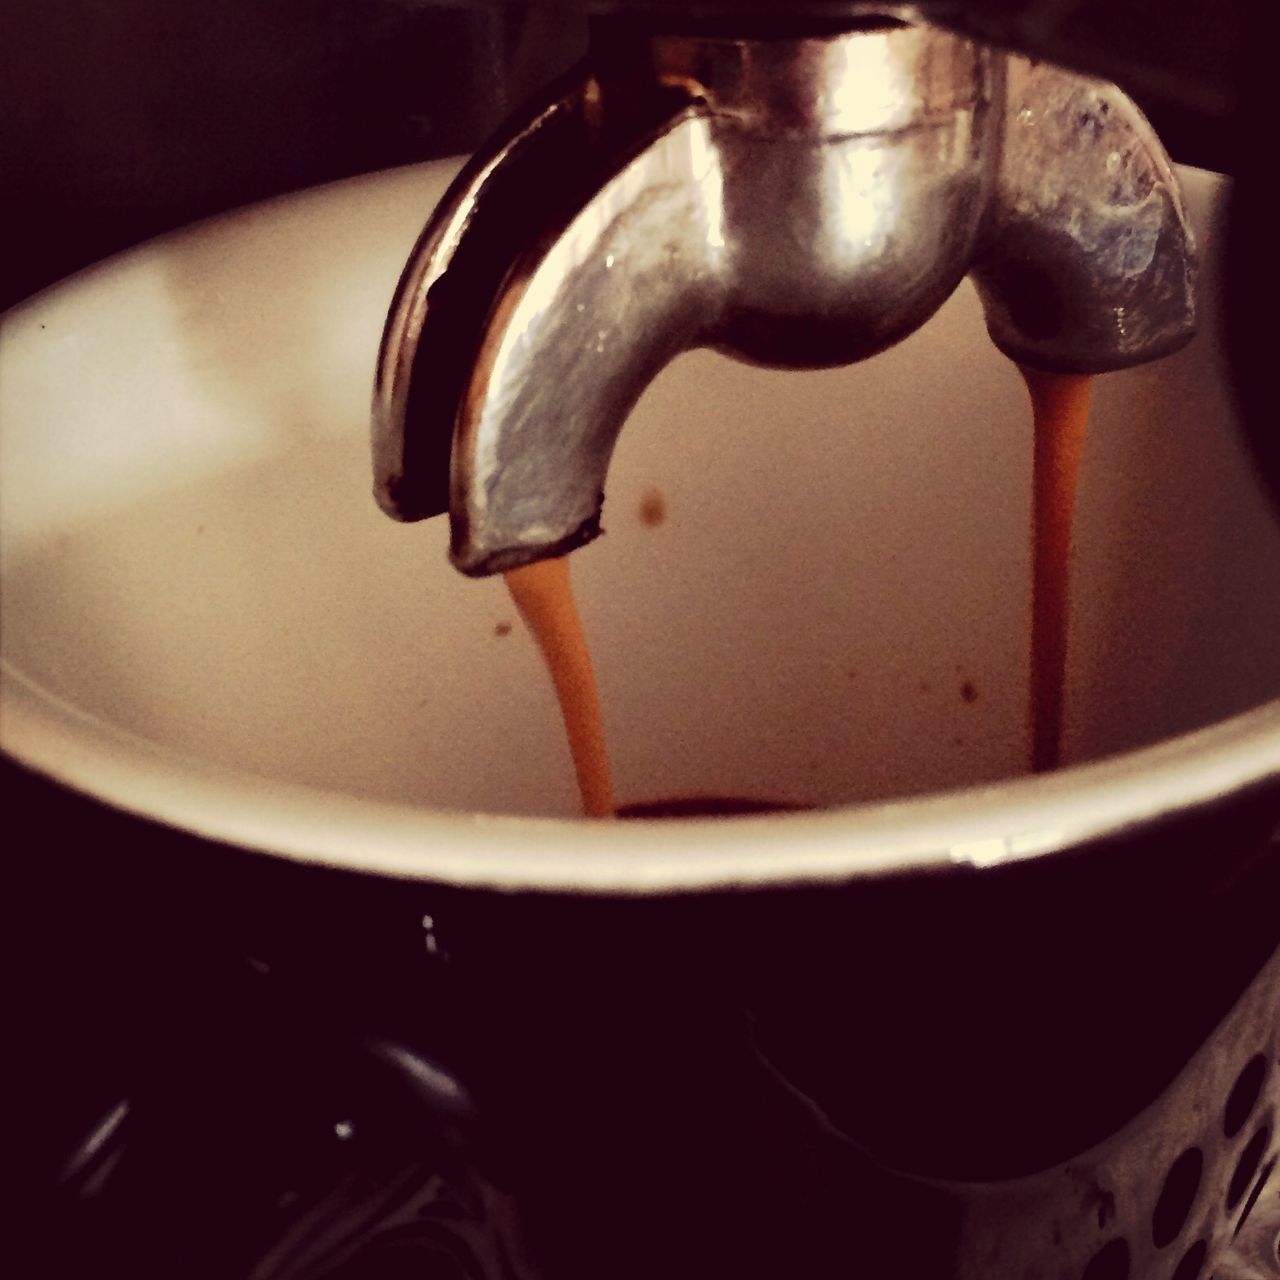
(706, 807)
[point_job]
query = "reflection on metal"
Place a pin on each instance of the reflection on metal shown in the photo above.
(793, 202)
(90, 1165)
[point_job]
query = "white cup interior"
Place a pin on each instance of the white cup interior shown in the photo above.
(833, 607)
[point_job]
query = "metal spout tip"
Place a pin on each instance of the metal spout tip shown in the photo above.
(389, 497)
(481, 562)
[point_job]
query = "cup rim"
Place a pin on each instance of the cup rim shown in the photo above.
(973, 827)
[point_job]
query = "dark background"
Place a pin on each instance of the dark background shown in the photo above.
(120, 119)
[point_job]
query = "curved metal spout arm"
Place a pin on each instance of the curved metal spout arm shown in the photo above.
(577, 332)
(519, 191)
(775, 199)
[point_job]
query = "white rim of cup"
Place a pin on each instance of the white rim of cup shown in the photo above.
(978, 826)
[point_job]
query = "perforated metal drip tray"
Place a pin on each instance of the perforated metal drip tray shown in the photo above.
(1255, 1252)
(310, 1156)
(1189, 1189)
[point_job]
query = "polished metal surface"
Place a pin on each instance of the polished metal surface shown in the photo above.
(799, 203)
(1089, 265)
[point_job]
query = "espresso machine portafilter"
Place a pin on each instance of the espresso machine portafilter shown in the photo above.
(798, 186)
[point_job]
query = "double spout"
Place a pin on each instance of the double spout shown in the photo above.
(795, 202)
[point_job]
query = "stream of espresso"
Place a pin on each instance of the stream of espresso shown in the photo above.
(1060, 415)
(543, 594)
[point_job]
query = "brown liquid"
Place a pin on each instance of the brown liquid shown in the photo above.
(704, 807)
(543, 594)
(1060, 413)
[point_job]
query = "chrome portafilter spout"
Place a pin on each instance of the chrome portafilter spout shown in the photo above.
(795, 201)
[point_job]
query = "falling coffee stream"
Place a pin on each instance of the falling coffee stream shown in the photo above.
(543, 594)
(1060, 414)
